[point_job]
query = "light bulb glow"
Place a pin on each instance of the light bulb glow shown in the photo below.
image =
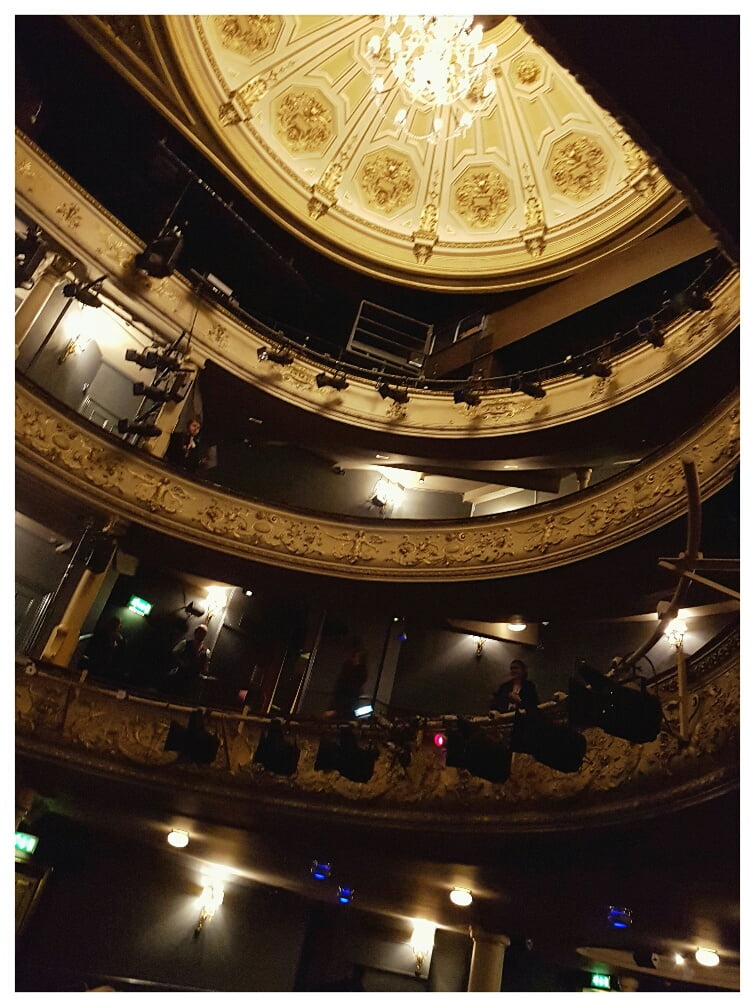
(461, 897)
(178, 838)
(707, 957)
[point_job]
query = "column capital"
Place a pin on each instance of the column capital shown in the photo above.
(478, 934)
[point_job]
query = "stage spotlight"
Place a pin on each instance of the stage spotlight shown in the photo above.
(337, 381)
(193, 743)
(345, 756)
(622, 711)
(145, 359)
(30, 252)
(145, 430)
(469, 748)
(345, 894)
(466, 394)
(85, 294)
(387, 392)
(275, 752)
(277, 355)
(558, 746)
(595, 367)
(320, 870)
(648, 329)
(691, 300)
(152, 392)
(532, 389)
(160, 257)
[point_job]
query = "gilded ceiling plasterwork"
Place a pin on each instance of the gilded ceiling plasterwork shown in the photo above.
(544, 181)
(132, 486)
(102, 245)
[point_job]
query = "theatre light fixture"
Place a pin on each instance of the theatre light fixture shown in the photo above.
(460, 897)
(467, 394)
(517, 625)
(276, 355)
(398, 395)
(648, 329)
(85, 294)
(595, 367)
(336, 381)
(444, 76)
(161, 255)
(529, 388)
(145, 430)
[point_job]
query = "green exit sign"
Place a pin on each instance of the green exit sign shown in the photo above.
(26, 842)
(139, 605)
(600, 980)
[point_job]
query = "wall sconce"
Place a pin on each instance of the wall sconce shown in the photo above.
(216, 601)
(516, 625)
(76, 345)
(421, 942)
(210, 900)
(387, 494)
(675, 632)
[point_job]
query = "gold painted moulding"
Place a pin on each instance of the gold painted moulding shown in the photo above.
(86, 231)
(98, 729)
(63, 450)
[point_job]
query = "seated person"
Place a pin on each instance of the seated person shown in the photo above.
(192, 660)
(516, 692)
(104, 654)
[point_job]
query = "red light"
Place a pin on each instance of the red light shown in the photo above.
(439, 740)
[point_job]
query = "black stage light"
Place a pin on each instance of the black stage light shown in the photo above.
(598, 368)
(145, 358)
(101, 553)
(275, 752)
(622, 711)
(30, 252)
(193, 743)
(558, 746)
(85, 294)
(337, 381)
(161, 255)
(153, 392)
(277, 355)
(387, 392)
(691, 300)
(145, 430)
(467, 395)
(352, 761)
(532, 389)
(469, 748)
(648, 329)
(180, 386)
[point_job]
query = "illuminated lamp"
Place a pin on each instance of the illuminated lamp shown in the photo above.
(460, 897)
(619, 917)
(439, 740)
(707, 957)
(364, 710)
(26, 842)
(275, 752)
(320, 870)
(178, 838)
(345, 894)
(517, 625)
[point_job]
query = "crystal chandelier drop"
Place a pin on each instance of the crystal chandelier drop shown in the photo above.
(440, 67)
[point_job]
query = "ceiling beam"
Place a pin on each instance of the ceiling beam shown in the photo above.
(611, 275)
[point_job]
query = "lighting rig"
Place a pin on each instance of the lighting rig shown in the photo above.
(170, 384)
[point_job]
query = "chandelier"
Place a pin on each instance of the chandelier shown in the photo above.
(441, 69)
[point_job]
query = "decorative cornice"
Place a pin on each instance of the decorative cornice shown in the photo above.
(61, 449)
(104, 732)
(90, 234)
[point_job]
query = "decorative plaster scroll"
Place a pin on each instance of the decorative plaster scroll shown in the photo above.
(106, 246)
(94, 726)
(131, 484)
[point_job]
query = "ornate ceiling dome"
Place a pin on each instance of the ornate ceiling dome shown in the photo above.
(543, 181)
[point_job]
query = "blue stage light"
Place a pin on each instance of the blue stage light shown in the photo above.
(345, 894)
(320, 870)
